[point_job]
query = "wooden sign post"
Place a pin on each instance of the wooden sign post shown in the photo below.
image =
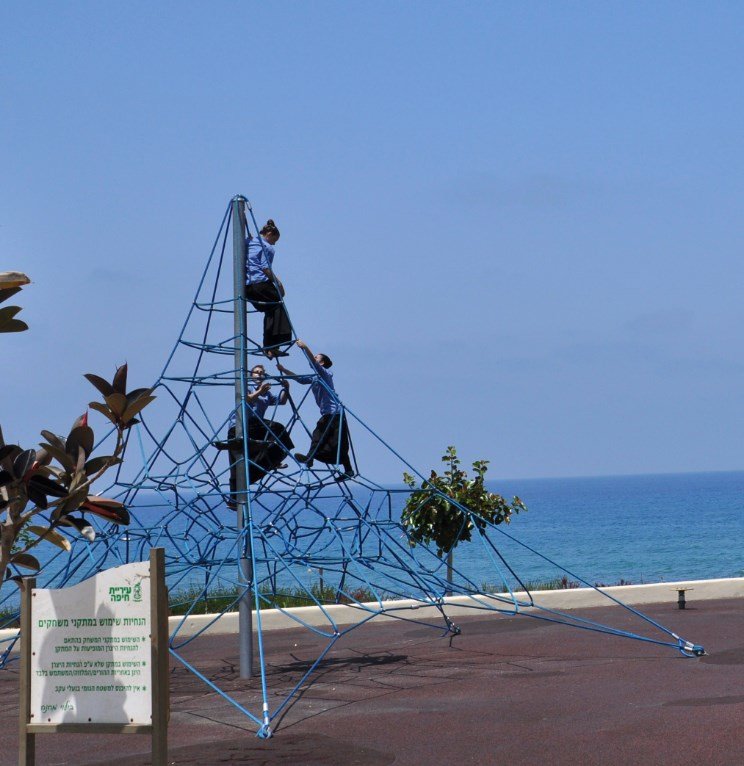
(94, 657)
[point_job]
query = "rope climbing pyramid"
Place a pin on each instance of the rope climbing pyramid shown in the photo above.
(220, 474)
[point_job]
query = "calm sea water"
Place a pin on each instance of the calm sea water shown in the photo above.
(638, 528)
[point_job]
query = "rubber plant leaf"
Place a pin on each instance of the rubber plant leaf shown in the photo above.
(10, 451)
(13, 325)
(22, 464)
(81, 421)
(43, 458)
(136, 407)
(120, 380)
(73, 502)
(117, 403)
(8, 292)
(37, 496)
(25, 560)
(54, 537)
(53, 439)
(136, 393)
(112, 510)
(9, 279)
(80, 437)
(80, 524)
(97, 463)
(8, 312)
(48, 486)
(102, 385)
(104, 410)
(60, 456)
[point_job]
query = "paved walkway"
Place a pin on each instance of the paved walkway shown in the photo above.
(509, 691)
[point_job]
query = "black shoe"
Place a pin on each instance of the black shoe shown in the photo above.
(300, 458)
(345, 476)
(272, 352)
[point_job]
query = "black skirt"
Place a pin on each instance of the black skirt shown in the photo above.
(330, 440)
(268, 444)
(265, 297)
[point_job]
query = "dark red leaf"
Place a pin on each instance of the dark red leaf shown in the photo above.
(23, 463)
(102, 385)
(82, 436)
(37, 496)
(25, 560)
(10, 450)
(48, 486)
(120, 380)
(107, 509)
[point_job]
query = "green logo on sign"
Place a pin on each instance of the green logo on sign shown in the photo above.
(137, 595)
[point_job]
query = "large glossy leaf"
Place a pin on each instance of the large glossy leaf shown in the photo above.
(52, 536)
(81, 525)
(104, 410)
(112, 510)
(80, 437)
(43, 458)
(137, 392)
(120, 380)
(8, 323)
(22, 464)
(74, 502)
(53, 439)
(97, 463)
(25, 560)
(81, 421)
(37, 496)
(136, 407)
(117, 403)
(8, 312)
(10, 451)
(8, 293)
(13, 325)
(48, 486)
(60, 456)
(10, 279)
(102, 385)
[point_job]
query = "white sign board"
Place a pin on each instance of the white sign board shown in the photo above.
(90, 650)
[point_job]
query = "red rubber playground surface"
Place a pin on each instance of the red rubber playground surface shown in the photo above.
(508, 691)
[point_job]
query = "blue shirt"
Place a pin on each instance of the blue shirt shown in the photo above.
(259, 255)
(257, 408)
(328, 404)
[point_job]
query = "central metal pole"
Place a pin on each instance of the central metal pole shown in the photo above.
(245, 605)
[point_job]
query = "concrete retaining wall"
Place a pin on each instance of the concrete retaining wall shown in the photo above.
(458, 606)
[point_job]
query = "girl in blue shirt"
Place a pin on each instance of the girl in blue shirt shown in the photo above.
(264, 290)
(329, 442)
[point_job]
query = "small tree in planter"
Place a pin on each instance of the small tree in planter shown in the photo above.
(430, 516)
(38, 499)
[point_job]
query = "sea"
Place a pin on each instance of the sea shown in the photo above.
(638, 529)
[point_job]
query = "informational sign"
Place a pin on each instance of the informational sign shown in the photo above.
(91, 650)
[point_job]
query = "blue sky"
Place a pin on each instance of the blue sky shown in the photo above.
(515, 227)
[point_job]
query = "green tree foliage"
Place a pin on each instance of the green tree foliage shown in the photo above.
(45, 493)
(431, 516)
